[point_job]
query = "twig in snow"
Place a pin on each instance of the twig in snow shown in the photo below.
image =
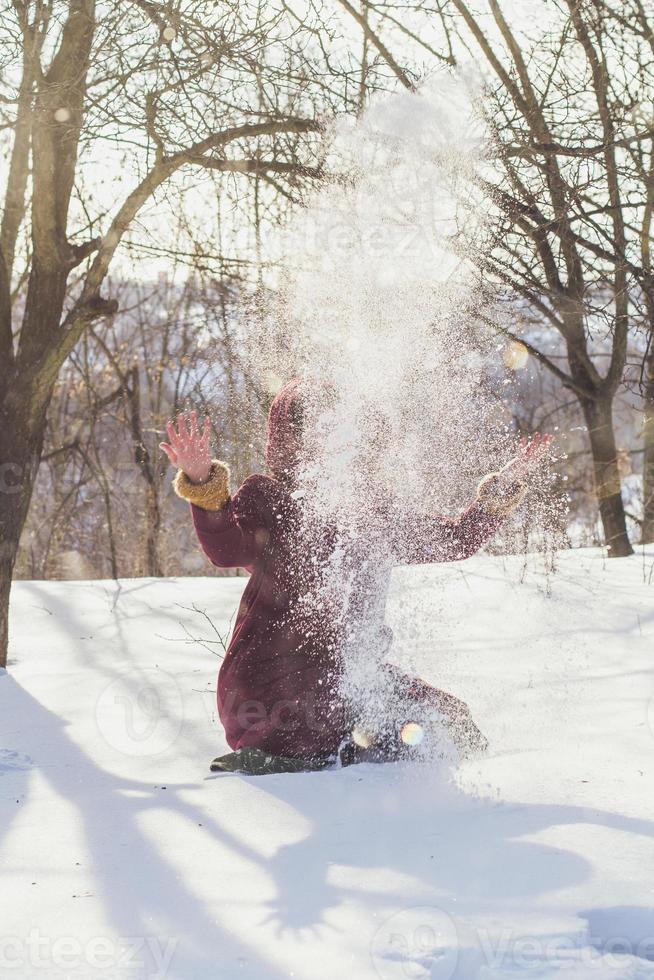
(206, 643)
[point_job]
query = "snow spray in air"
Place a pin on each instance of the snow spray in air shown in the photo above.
(377, 315)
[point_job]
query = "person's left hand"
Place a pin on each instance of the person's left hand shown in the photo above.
(530, 455)
(189, 447)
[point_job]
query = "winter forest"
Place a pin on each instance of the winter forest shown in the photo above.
(326, 366)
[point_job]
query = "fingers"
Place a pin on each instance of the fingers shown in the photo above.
(541, 442)
(187, 430)
(206, 433)
(172, 435)
(169, 451)
(193, 428)
(535, 448)
(534, 442)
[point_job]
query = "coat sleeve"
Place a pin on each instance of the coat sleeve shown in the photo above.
(233, 531)
(432, 538)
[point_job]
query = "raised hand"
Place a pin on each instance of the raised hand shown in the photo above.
(530, 454)
(188, 448)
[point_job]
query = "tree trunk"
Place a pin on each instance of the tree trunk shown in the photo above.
(599, 420)
(152, 530)
(6, 572)
(20, 452)
(647, 536)
(152, 516)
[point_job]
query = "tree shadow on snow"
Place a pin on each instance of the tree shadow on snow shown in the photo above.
(143, 895)
(388, 837)
(401, 835)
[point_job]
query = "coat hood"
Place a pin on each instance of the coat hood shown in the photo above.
(285, 418)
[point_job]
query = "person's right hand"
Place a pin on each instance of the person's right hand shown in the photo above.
(189, 448)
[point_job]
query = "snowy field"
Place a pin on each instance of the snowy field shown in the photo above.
(122, 857)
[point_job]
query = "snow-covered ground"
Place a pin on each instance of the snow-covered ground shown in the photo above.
(122, 857)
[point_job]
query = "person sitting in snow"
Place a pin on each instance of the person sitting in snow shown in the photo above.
(280, 697)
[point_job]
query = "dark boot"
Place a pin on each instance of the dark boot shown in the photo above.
(467, 737)
(256, 762)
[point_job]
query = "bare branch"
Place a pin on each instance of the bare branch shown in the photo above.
(377, 42)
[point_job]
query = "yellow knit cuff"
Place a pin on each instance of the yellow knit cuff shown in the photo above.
(213, 494)
(497, 499)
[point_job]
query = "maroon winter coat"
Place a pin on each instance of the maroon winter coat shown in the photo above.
(278, 684)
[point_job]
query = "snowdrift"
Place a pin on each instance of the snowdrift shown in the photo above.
(122, 857)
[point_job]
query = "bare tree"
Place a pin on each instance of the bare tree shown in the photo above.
(562, 239)
(154, 90)
(103, 501)
(632, 99)
(571, 191)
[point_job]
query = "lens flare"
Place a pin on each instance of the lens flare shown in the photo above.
(412, 733)
(515, 355)
(361, 738)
